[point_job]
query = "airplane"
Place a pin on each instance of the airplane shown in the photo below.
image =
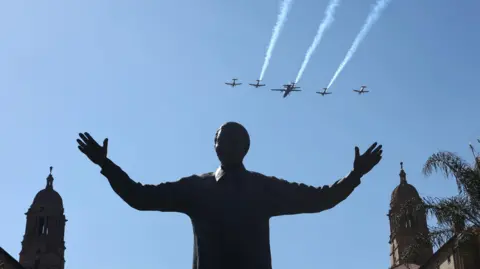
(288, 88)
(324, 92)
(362, 90)
(233, 83)
(257, 84)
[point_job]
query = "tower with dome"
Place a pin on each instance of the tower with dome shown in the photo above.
(408, 220)
(43, 245)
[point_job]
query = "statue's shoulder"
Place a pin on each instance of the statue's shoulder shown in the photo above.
(265, 178)
(199, 176)
(206, 175)
(258, 175)
(196, 178)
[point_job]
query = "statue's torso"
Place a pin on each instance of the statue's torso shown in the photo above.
(230, 223)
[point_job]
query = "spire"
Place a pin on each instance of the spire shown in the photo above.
(403, 175)
(50, 180)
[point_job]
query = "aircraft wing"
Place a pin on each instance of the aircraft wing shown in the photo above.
(296, 90)
(228, 83)
(278, 90)
(252, 84)
(366, 91)
(261, 85)
(327, 93)
(356, 90)
(238, 83)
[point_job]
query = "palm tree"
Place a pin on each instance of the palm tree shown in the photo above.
(461, 210)
(455, 215)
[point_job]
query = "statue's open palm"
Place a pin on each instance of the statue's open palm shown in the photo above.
(365, 162)
(96, 153)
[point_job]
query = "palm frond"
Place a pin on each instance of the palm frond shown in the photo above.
(450, 164)
(451, 210)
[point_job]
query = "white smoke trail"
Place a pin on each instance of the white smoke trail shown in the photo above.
(326, 22)
(371, 19)
(281, 18)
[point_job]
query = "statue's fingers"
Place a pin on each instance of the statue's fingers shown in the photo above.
(369, 150)
(105, 143)
(81, 143)
(91, 140)
(377, 149)
(83, 137)
(82, 149)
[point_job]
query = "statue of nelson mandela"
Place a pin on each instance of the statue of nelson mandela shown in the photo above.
(230, 208)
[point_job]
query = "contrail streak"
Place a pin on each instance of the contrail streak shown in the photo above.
(281, 18)
(327, 21)
(371, 19)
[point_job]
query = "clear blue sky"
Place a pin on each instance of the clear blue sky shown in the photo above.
(149, 75)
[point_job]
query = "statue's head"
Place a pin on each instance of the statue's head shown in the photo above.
(231, 143)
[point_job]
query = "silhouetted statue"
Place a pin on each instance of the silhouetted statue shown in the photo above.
(230, 209)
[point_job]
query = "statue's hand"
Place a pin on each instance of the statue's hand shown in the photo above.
(96, 153)
(365, 162)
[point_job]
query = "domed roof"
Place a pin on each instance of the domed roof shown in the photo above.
(404, 191)
(48, 196)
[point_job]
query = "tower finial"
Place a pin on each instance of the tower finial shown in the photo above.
(50, 179)
(403, 175)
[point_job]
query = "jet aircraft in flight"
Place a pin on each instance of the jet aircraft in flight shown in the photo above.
(324, 92)
(256, 85)
(362, 90)
(233, 83)
(287, 89)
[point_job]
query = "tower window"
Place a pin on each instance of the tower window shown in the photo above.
(409, 220)
(41, 225)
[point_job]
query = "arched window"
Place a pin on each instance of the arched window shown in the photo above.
(41, 225)
(46, 226)
(408, 220)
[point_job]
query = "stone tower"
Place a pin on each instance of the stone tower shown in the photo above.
(43, 245)
(407, 221)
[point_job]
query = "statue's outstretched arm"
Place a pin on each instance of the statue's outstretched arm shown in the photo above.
(286, 198)
(168, 197)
